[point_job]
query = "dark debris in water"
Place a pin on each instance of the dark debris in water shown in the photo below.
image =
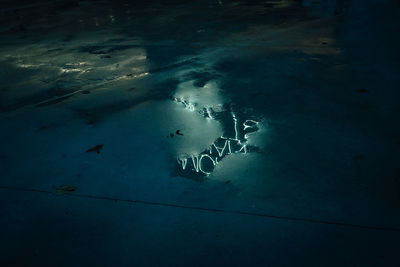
(177, 132)
(95, 149)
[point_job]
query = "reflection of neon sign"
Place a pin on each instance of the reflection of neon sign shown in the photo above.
(205, 162)
(185, 102)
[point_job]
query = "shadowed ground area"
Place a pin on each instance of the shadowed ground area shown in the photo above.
(200, 133)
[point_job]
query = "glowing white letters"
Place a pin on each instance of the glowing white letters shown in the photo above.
(230, 146)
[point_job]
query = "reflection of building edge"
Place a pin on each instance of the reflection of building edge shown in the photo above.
(203, 164)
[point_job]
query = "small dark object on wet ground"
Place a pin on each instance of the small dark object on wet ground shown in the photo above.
(95, 149)
(324, 43)
(227, 181)
(362, 90)
(64, 189)
(85, 92)
(171, 135)
(178, 132)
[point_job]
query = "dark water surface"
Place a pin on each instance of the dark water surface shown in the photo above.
(177, 133)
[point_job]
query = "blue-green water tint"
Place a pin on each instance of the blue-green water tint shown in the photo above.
(318, 185)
